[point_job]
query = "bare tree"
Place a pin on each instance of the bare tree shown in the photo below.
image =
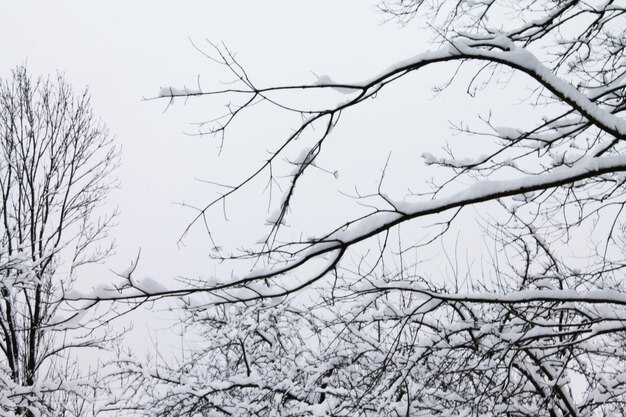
(55, 164)
(538, 331)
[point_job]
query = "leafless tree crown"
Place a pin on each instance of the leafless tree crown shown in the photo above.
(539, 331)
(56, 160)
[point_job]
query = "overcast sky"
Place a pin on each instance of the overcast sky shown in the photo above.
(125, 51)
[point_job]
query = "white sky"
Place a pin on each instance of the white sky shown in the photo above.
(128, 50)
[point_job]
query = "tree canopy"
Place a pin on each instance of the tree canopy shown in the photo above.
(56, 160)
(537, 331)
